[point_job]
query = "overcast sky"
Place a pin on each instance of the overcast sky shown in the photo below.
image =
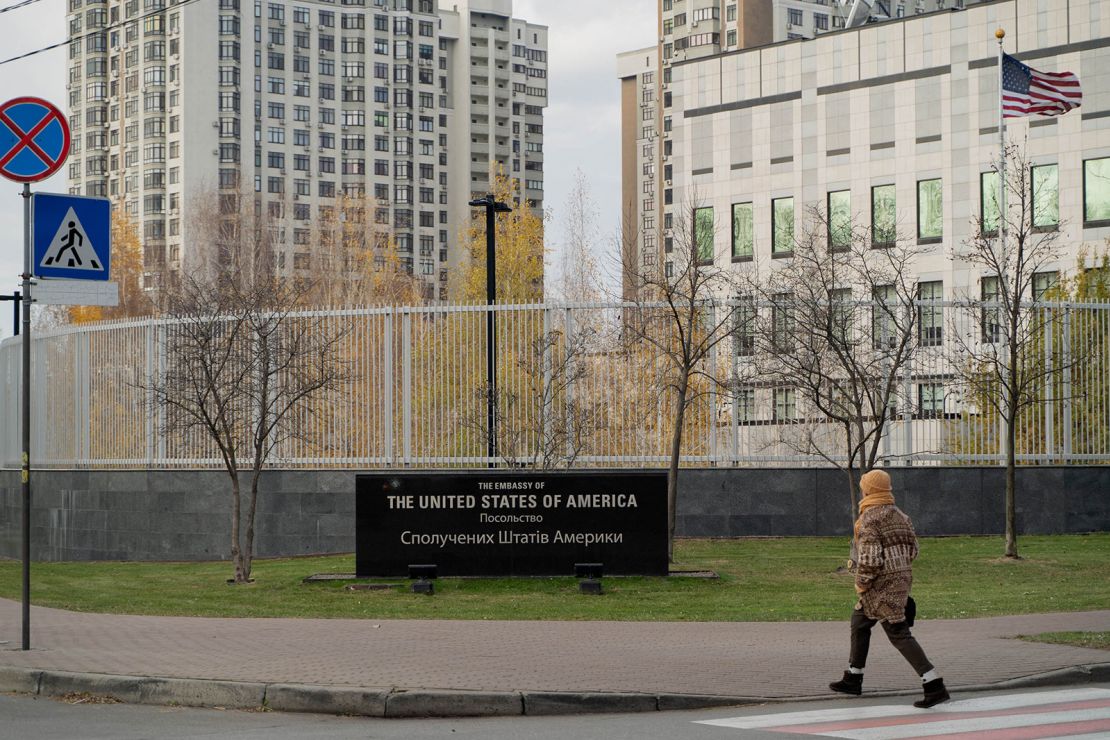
(581, 129)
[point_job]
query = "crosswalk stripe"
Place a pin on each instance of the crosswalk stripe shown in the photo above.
(923, 718)
(1049, 706)
(1026, 733)
(959, 727)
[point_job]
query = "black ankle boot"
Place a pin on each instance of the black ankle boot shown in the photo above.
(852, 683)
(935, 693)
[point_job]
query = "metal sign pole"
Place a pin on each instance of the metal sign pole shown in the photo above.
(26, 415)
(34, 143)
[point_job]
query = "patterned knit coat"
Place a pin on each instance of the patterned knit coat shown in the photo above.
(886, 547)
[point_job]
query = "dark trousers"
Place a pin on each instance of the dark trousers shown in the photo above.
(900, 638)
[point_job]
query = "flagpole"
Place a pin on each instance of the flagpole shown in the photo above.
(1001, 34)
(1003, 257)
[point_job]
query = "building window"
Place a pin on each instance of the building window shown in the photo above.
(745, 327)
(743, 246)
(782, 226)
(930, 214)
(1096, 192)
(991, 317)
(745, 405)
(884, 216)
(883, 306)
(1044, 282)
(840, 220)
(793, 17)
(988, 203)
(841, 316)
(786, 404)
(930, 318)
(782, 322)
(703, 234)
(820, 22)
(930, 399)
(1046, 197)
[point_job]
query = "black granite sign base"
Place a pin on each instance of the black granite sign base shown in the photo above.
(501, 523)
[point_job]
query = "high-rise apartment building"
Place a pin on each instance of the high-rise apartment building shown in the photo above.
(281, 109)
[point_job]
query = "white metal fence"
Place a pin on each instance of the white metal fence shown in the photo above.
(573, 388)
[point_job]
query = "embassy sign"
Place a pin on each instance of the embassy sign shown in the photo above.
(494, 523)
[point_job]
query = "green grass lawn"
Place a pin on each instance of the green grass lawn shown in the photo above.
(760, 580)
(1098, 640)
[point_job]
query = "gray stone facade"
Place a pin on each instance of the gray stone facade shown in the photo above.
(185, 514)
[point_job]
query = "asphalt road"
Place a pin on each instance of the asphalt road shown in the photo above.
(24, 717)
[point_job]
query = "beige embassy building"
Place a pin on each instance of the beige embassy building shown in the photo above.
(281, 107)
(895, 122)
(692, 30)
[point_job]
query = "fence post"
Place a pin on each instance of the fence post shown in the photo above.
(546, 398)
(406, 386)
(1065, 391)
(713, 456)
(387, 386)
(1049, 421)
(568, 409)
(734, 374)
(148, 395)
(907, 392)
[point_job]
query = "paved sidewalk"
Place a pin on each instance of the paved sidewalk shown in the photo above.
(733, 661)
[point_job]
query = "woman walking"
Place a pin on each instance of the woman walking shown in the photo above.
(885, 547)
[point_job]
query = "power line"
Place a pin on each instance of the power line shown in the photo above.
(112, 27)
(17, 6)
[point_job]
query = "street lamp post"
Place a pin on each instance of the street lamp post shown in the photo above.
(493, 207)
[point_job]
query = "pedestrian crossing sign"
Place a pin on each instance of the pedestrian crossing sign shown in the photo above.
(72, 236)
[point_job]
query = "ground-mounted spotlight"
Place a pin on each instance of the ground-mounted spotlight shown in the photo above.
(590, 586)
(423, 575)
(590, 573)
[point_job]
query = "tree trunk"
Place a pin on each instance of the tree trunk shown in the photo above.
(853, 495)
(672, 471)
(236, 528)
(1011, 487)
(252, 507)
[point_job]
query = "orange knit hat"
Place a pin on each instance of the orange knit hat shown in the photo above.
(875, 481)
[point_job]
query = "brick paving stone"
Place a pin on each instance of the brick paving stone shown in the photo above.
(766, 659)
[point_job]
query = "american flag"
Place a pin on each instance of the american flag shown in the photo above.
(1026, 91)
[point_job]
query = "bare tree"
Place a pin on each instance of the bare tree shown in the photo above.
(682, 311)
(835, 323)
(579, 278)
(242, 371)
(1001, 359)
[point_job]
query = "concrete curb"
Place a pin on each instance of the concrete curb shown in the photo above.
(414, 703)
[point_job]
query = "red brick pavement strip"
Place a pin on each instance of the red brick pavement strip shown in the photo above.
(772, 659)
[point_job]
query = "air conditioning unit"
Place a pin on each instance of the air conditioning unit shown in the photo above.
(215, 124)
(269, 46)
(216, 152)
(320, 149)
